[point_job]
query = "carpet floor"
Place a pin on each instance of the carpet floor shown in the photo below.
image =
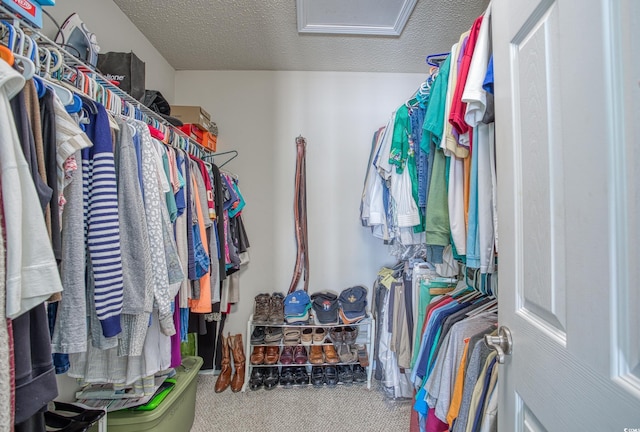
(309, 409)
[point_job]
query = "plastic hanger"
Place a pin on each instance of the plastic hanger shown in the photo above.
(7, 55)
(436, 59)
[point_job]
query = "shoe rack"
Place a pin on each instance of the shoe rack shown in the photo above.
(365, 337)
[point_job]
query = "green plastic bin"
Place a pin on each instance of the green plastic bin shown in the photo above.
(174, 414)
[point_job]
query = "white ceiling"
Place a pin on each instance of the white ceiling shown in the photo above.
(263, 35)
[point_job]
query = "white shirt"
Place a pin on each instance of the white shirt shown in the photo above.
(474, 95)
(32, 272)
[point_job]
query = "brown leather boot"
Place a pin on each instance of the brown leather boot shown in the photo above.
(224, 379)
(235, 343)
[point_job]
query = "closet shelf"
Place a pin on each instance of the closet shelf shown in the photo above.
(365, 320)
(150, 117)
(307, 364)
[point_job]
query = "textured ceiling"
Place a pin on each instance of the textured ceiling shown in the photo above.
(262, 35)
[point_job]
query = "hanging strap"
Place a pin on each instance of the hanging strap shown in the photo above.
(300, 215)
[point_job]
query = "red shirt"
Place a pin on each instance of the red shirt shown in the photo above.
(458, 108)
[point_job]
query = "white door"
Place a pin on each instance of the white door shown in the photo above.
(567, 76)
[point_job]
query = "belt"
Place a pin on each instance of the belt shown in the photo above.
(300, 215)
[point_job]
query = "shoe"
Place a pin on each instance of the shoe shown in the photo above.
(286, 357)
(300, 354)
(256, 381)
(330, 354)
(271, 378)
(257, 356)
(359, 374)
(301, 377)
(271, 355)
(276, 309)
(335, 334)
(257, 336)
(272, 335)
(363, 357)
(317, 375)
(76, 412)
(224, 379)
(307, 336)
(319, 334)
(261, 308)
(345, 374)
(316, 355)
(239, 359)
(345, 353)
(291, 336)
(59, 422)
(287, 377)
(349, 334)
(331, 375)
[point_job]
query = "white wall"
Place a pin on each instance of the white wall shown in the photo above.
(115, 32)
(260, 114)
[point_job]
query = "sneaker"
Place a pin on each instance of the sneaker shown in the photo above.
(317, 376)
(345, 353)
(301, 377)
(287, 377)
(257, 336)
(345, 374)
(291, 336)
(349, 334)
(272, 335)
(359, 374)
(257, 378)
(331, 375)
(336, 336)
(286, 357)
(300, 354)
(271, 378)
(307, 336)
(261, 308)
(276, 309)
(319, 334)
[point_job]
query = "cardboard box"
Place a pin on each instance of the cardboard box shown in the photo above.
(192, 114)
(27, 9)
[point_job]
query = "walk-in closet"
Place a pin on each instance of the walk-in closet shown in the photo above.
(411, 215)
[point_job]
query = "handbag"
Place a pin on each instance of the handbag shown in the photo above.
(126, 70)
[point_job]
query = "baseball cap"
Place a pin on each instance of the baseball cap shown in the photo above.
(325, 307)
(353, 303)
(297, 303)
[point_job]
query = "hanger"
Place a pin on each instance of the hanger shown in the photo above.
(232, 152)
(436, 59)
(7, 55)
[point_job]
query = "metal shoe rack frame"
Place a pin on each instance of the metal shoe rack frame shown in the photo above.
(369, 323)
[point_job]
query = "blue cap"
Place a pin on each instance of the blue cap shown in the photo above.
(353, 301)
(297, 303)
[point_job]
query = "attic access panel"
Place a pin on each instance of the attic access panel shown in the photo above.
(364, 17)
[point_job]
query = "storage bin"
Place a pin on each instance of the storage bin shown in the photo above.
(174, 414)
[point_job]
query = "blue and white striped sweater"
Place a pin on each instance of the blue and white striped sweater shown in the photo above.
(102, 223)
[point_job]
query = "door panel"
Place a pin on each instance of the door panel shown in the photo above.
(567, 94)
(541, 294)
